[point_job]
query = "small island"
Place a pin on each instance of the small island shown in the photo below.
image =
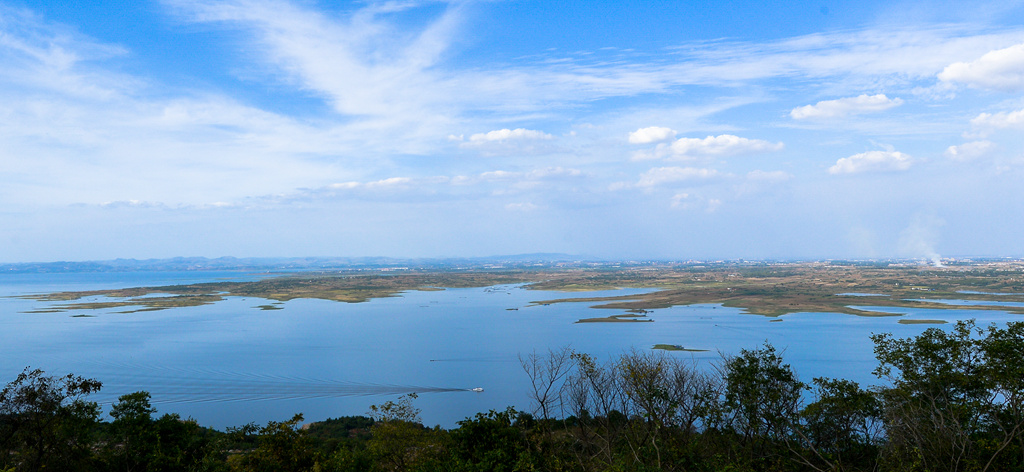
(676, 347)
(623, 318)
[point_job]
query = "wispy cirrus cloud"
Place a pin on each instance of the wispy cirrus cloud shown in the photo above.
(364, 66)
(362, 63)
(898, 54)
(472, 187)
(46, 57)
(391, 82)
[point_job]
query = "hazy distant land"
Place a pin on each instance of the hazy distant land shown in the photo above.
(761, 288)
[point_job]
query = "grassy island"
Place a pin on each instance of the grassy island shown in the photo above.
(676, 347)
(770, 289)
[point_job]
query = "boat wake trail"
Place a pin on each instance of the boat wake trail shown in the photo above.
(181, 386)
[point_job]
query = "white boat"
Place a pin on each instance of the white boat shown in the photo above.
(478, 389)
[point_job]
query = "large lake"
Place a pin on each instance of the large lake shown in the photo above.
(231, 363)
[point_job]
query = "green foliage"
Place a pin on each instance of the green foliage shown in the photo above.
(46, 423)
(184, 445)
(956, 398)
(495, 441)
(137, 442)
(843, 425)
(399, 442)
(134, 440)
(334, 434)
(762, 394)
(954, 401)
(280, 446)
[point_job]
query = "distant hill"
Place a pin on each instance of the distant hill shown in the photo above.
(292, 263)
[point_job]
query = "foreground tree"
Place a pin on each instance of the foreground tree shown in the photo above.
(399, 441)
(955, 401)
(46, 423)
(842, 428)
(281, 446)
(761, 405)
(593, 396)
(496, 441)
(133, 440)
(547, 375)
(667, 401)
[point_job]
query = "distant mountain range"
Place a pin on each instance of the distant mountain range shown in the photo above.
(294, 263)
(516, 261)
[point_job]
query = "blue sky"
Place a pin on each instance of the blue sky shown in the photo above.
(428, 129)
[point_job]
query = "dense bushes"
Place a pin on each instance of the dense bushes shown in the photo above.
(951, 401)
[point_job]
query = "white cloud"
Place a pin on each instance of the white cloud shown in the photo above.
(366, 63)
(681, 200)
(652, 134)
(1001, 120)
(687, 201)
(712, 146)
(722, 145)
(506, 141)
(898, 55)
(503, 135)
(769, 176)
(548, 173)
(389, 182)
(56, 59)
(523, 206)
(496, 182)
(1002, 69)
(131, 203)
(499, 175)
(665, 175)
(75, 127)
(505, 182)
(872, 161)
(362, 63)
(553, 173)
(758, 181)
(968, 151)
(845, 107)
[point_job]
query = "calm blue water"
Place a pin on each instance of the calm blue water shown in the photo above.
(971, 302)
(975, 292)
(24, 284)
(231, 363)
